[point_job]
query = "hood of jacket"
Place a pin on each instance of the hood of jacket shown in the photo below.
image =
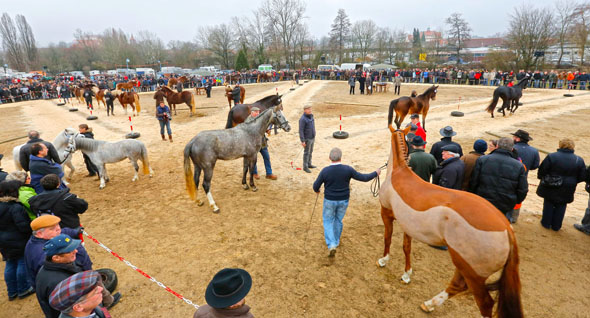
(47, 200)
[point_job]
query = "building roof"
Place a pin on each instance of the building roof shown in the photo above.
(484, 42)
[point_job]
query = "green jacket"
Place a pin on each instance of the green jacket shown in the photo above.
(24, 194)
(423, 164)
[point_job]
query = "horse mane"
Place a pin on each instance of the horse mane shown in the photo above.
(166, 88)
(266, 99)
(88, 143)
(259, 116)
(428, 91)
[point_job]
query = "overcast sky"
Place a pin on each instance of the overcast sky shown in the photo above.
(54, 21)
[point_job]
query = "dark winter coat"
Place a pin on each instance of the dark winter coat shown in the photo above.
(15, 228)
(41, 167)
(450, 174)
(35, 256)
(3, 175)
(25, 152)
(423, 164)
(67, 206)
(306, 127)
(529, 155)
(48, 277)
(500, 179)
(207, 311)
(569, 167)
(436, 149)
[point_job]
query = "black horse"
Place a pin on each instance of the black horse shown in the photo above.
(240, 112)
(510, 97)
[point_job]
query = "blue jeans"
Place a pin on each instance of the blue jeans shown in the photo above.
(167, 125)
(333, 214)
(266, 158)
(15, 275)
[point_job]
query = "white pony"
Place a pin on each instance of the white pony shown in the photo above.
(102, 152)
(60, 142)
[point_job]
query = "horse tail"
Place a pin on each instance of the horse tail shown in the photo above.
(391, 110)
(509, 303)
(138, 107)
(191, 188)
(193, 105)
(230, 119)
(145, 163)
(493, 104)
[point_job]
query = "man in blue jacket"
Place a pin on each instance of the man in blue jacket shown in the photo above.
(40, 166)
(336, 180)
(307, 136)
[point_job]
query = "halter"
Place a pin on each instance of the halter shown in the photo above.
(282, 124)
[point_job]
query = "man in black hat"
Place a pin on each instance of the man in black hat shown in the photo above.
(3, 174)
(423, 164)
(451, 170)
(528, 154)
(226, 295)
(447, 134)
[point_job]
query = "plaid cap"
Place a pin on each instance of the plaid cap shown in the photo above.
(71, 289)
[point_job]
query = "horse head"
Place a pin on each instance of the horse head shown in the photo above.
(433, 90)
(71, 147)
(279, 118)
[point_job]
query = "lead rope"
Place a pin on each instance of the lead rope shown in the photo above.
(376, 184)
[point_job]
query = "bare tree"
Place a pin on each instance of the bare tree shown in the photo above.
(27, 41)
(563, 18)
(283, 17)
(363, 36)
(581, 28)
(150, 47)
(257, 37)
(459, 31)
(340, 32)
(218, 39)
(531, 29)
(12, 47)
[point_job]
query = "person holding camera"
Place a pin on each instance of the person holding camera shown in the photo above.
(164, 117)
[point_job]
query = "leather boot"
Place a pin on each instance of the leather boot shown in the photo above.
(170, 137)
(163, 137)
(586, 218)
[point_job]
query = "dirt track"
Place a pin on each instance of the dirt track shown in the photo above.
(154, 225)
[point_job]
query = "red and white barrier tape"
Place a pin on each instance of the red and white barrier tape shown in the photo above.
(179, 296)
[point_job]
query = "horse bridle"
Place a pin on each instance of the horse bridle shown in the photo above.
(282, 125)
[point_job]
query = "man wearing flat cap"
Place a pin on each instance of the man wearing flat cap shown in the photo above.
(422, 163)
(45, 228)
(451, 170)
(447, 134)
(254, 112)
(80, 295)
(307, 137)
(59, 265)
(226, 295)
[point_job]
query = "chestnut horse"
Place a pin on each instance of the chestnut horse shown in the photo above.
(479, 238)
(127, 86)
(232, 78)
(414, 105)
(230, 97)
(263, 76)
(78, 93)
(173, 81)
(130, 98)
(184, 97)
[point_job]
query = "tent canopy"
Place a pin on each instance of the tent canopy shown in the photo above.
(383, 67)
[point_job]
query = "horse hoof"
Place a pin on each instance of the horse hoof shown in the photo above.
(245, 186)
(215, 209)
(200, 203)
(426, 308)
(254, 189)
(405, 278)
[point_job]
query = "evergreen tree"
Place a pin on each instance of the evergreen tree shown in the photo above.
(242, 60)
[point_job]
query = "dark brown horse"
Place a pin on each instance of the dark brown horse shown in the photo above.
(414, 105)
(232, 78)
(240, 112)
(230, 97)
(184, 97)
(128, 98)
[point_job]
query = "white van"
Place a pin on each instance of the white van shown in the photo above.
(327, 67)
(94, 72)
(145, 71)
(265, 68)
(354, 66)
(112, 72)
(208, 68)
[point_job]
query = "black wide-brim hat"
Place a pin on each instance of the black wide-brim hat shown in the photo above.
(522, 134)
(228, 287)
(447, 131)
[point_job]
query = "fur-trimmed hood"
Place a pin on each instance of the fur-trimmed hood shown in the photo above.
(8, 199)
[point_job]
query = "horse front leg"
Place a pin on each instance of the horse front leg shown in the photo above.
(407, 252)
(136, 168)
(387, 216)
(102, 175)
(245, 172)
(69, 164)
(174, 105)
(424, 113)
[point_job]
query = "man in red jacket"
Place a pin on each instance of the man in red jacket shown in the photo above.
(415, 118)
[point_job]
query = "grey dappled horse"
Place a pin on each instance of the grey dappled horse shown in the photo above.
(243, 140)
(60, 142)
(102, 152)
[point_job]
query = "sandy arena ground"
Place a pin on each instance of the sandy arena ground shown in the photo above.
(153, 224)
